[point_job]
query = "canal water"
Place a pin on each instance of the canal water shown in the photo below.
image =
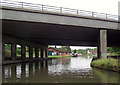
(62, 70)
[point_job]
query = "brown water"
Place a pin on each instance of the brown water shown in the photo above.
(63, 70)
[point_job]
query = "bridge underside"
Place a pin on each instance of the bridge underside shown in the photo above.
(54, 34)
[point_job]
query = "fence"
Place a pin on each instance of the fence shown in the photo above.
(61, 10)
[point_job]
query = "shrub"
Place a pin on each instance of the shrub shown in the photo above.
(108, 64)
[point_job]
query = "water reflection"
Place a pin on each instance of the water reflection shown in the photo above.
(63, 70)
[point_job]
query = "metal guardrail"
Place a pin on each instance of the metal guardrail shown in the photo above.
(61, 10)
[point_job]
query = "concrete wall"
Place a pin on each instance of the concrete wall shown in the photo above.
(32, 16)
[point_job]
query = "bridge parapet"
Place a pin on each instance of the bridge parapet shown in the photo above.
(59, 10)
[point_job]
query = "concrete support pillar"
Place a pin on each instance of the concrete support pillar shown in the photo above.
(23, 51)
(46, 53)
(30, 52)
(3, 51)
(36, 53)
(103, 43)
(13, 51)
(42, 53)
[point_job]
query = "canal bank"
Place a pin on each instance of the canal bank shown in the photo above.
(110, 64)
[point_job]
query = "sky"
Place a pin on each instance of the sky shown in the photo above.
(102, 6)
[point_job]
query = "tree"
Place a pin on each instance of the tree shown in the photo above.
(110, 49)
(75, 51)
(67, 48)
(116, 50)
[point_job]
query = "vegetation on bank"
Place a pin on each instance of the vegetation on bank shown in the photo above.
(59, 56)
(107, 64)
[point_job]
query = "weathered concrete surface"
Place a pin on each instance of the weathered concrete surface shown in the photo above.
(25, 15)
(103, 43)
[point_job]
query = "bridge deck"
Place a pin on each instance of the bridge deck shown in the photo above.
(56, 10)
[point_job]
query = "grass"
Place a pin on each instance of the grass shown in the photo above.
(112, 54)
(59, 56)
(108, 64)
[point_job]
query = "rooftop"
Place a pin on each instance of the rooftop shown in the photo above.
(59, 49)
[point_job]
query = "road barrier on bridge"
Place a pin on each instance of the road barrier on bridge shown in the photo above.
(61, 10)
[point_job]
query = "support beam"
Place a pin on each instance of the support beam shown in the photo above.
(30, 52)
(103, 43)
(23, 51)
(36, 53)
(13, 51)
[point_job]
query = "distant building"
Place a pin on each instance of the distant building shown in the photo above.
(58, 51)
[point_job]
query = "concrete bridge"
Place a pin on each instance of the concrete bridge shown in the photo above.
(29, 25)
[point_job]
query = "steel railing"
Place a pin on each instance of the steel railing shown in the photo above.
(62, 10)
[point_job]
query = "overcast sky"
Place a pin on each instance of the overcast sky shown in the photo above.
(102, 6)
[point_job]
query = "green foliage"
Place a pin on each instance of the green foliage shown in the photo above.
(59, 56)
(67, 48)
(18, 50)
(8, 46)
(108, 64)
(114, 50)
(7, 50)
(110, 49)
(75, 51)
(95, 49)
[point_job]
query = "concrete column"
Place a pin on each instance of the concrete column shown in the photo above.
(30, 52)
(42, 53)
(103, 43)
(23, 51)
(36, 53)
(13, 51)
(46, 53)
(3, 51)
